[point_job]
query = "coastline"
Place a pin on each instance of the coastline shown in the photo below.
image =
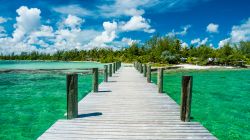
(198, 67)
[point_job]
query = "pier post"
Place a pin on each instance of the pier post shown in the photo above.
(160, 80)
(72, 95)
(144, 70)
(110, 70)
(141, 68)
(113, 67)
(186, 97)
(95, 80)
(149, 74)
(105, 73)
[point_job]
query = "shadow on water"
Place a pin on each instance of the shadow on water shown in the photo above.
(90, 115)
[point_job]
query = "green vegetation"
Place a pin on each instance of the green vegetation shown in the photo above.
(162, 50)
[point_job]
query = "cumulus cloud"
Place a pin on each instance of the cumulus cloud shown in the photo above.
(107, 36)
(212, 28)
(2, 32)
(73, 21)
(184, 45)
(137, 23)
(224, 42)
(28, 20)
(199, 42)
(238, 33)
(241, 32)
(182, 33)
(129, 41)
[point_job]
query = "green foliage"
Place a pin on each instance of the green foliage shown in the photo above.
(158, 49)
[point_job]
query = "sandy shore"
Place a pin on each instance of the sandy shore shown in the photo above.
(197, 67)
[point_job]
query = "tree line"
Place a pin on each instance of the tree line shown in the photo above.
(158, 49)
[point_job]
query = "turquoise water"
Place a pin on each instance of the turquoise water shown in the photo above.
(32, 102)
(220, 100)
(46, 65)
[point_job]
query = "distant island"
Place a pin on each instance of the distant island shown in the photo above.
(158, 50)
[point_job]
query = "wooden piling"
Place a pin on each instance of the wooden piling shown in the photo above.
(110, 70)
(141, 68)
(144, 70)
(149, 74)
(186, 98)
(113, 67)
(160, 80)
(72, 95)
(95, 80)
(105, 73)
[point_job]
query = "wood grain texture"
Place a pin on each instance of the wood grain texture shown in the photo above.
(72, 95)
(128, 108)
(186, 98)
(95, 80)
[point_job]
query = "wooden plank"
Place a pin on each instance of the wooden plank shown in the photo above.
(128, 108)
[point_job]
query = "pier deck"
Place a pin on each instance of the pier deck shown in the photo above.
(127, 107)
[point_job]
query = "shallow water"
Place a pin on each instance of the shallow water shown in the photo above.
(32, 102)
(220, 100)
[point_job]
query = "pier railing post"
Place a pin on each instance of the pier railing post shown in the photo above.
(141, 68)
(110, 70)
(113, 67)
(144, 70)
(95, 80)
(105, 73)
(186, 98)
(149, 74)
(160, 80)
(72, 95)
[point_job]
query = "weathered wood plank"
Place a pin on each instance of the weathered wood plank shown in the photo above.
(128, 108)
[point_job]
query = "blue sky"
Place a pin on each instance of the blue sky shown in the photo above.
(48, 26)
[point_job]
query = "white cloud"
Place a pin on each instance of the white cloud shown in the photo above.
(28, 20)
(212, 28)
(129, 41)
(182, 33)
(73, 21)
(116, 8)
(73, 10)
(2, 20)
(107, 36)
(137, 23)
(199, 42)
(241, 32)
(238, 33)
(184, 45)
(224, 42)
(122, 8)
(194, 41)
(2, 32)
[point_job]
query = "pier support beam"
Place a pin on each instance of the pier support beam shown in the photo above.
(160, 80)
(144, 70)
(95, 80)
(105, 73)
(72, 95)
(149, 74)
(110, 70)
(113, 67)
(186, 97)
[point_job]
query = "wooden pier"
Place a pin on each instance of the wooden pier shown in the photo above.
(127, 107)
